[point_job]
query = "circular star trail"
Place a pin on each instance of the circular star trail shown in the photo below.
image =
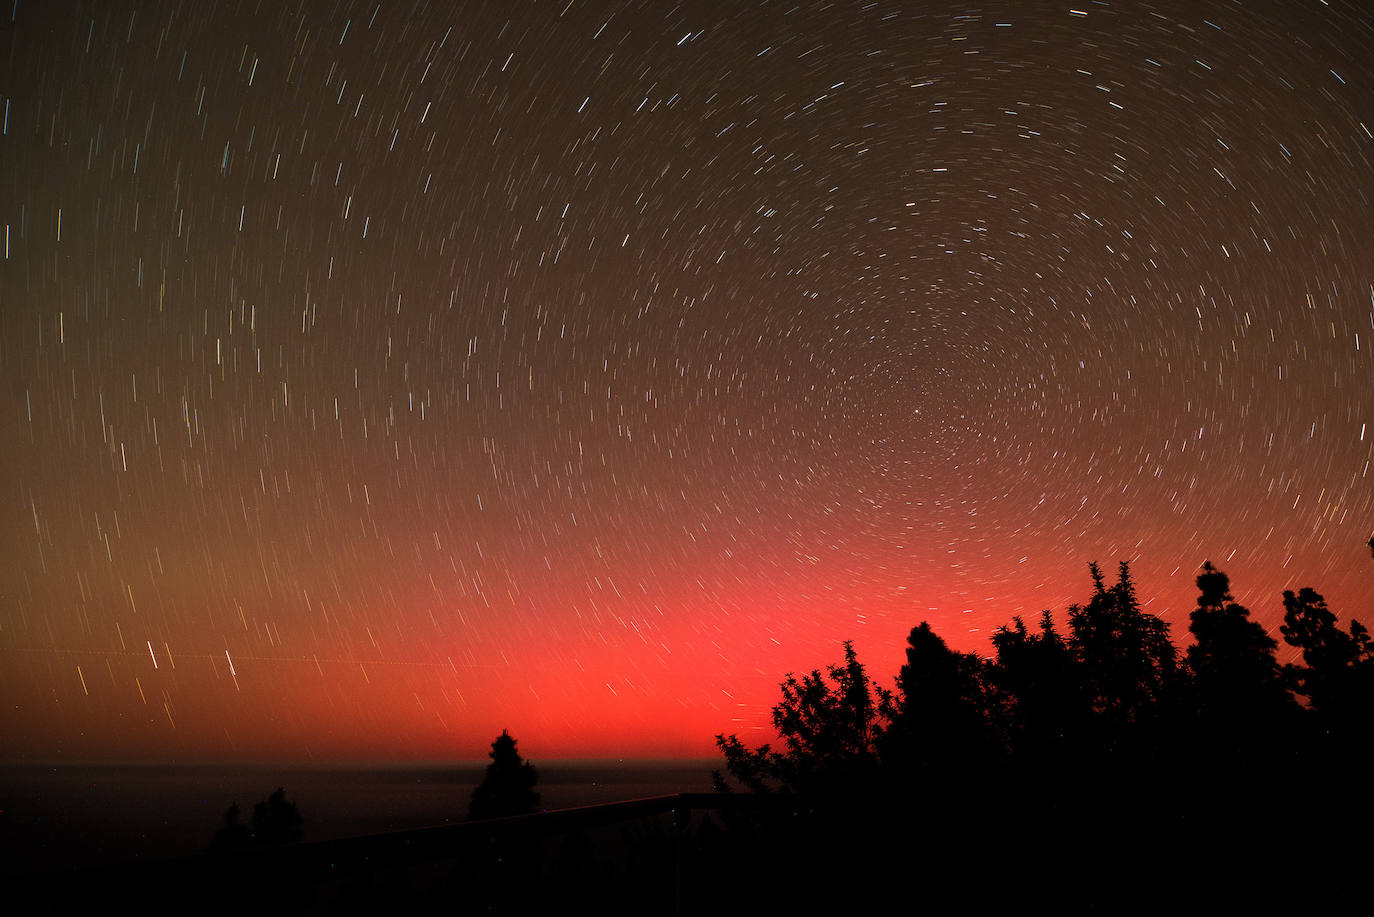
(381, 376)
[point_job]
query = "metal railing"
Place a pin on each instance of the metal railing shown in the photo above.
(643, 844)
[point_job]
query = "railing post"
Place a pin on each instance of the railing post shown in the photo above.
(677, 858)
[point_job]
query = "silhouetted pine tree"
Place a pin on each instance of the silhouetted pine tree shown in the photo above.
(1337, 676)
(1129, 665)
(1118, 749)
(1242, 702)
(942, 721)
(276, 821)
(234, 834)
(828, 731)
(509, 785)
(1048, 710)
(827, 723)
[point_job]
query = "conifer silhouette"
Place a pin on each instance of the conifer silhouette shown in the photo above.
(1042, 692)
(941, 721)
(1129, 665)
(275, 820)
(828, 725)
(1238, 685)
(234, 834)
(1337, 676)
(1106, 742)
(509, 785)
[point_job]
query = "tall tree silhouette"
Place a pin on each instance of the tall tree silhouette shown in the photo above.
(828, 724)
(275, 820)
(1042, 689)
(941, 723)
(1337, 676)
(509, 785)
(1239, 689)
(1129, 665)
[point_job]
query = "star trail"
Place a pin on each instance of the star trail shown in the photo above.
(378, 377)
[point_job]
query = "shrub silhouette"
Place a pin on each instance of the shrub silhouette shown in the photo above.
(509, 785)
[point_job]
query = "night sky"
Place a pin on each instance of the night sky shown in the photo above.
(377, 377)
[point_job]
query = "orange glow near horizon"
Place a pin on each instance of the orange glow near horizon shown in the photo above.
(585, 698)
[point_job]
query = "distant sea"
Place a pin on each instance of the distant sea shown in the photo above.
(61, 815)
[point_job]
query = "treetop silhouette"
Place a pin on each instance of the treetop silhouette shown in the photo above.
(1239, 691)
(275, 820)
(1113, 695)
(941, 718)
(1126, 657)
(508, 788)
(1337, 677)
(1103, 743)
(828, 724)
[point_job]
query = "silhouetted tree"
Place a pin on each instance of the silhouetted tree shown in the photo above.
(233, 834)
(509, 785)
(826, 774)
(275, 821)
(827, 726)
(1124, 750)
(1241, 698)
(941, 716)
(1338, 672)
(1039, 680)
(828, 731)
(753, 768)
(1129, 665)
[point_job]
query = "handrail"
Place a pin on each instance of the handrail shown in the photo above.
(414, 845)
